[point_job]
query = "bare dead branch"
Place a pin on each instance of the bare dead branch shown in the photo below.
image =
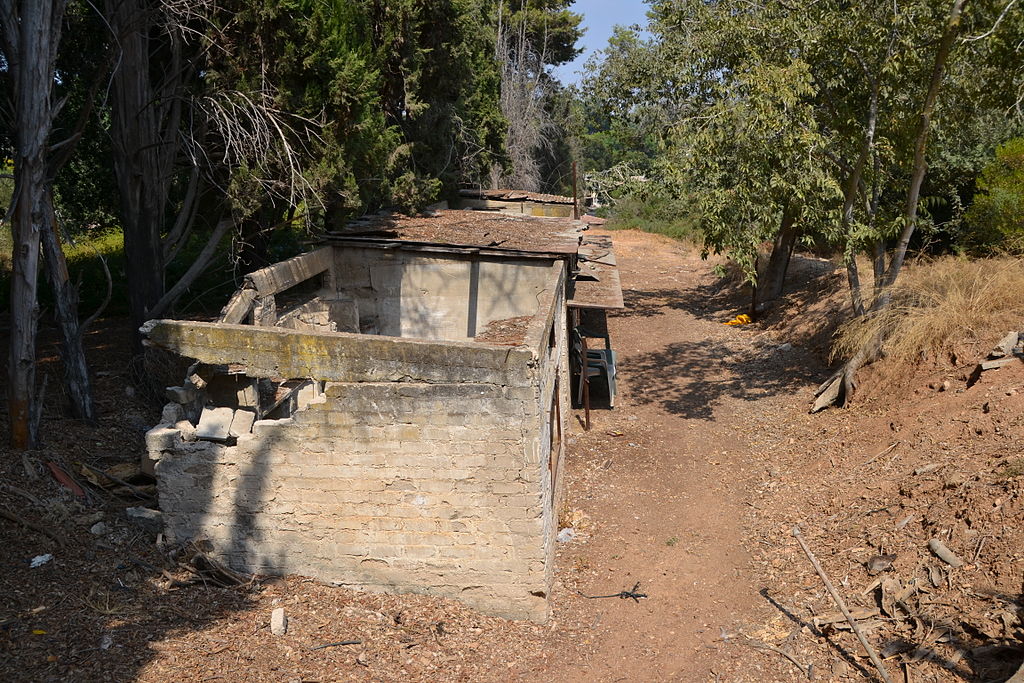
(195, 270)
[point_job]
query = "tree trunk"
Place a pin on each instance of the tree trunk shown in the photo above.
(31, 33)
(769, 287)
(838, 389)
(199, 265)
(853, 186)
(878, 265)
(920, 148)
(144, 132)
(25, 230)
(76, 371)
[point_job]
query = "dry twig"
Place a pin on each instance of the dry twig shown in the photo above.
(7, 514)
(842, 606)
(757, 644)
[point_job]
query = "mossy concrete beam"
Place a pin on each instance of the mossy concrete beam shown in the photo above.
(342, 357)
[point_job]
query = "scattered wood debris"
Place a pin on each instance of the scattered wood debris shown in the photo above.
(509, 331)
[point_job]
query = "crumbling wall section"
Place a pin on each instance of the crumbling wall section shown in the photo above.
(423, 480)
(399, 487)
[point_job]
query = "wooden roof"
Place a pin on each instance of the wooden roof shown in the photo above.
(528, 234)
(597, 285)
(516, 195)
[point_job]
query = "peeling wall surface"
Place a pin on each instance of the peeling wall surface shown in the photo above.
(393, 464)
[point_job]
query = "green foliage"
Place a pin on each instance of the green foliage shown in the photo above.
(996, 219)
(757, 111)
(658, 212)
(550, 27)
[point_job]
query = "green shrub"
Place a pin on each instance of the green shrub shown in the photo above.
(655, 212)
(996, 218)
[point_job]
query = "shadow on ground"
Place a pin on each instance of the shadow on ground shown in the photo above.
(97, 608)
(690, 379)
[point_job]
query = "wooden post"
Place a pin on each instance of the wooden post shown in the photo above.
(575, 195)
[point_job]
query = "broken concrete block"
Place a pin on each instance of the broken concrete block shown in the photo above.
(993, 364)
(306, 393)
(248, 396)
(187, 429)
(242, 422)
(181, 394)
(1006, 346)
(278, 622)
(215, 424)
(173, 412)
(163, 437)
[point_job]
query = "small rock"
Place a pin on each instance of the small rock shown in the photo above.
(106, 641)
(879, 563)
(129, 391)
(152, 520)
(89, 519)
(946, 385)
(566, 535)
(278, 622)
(98, 529)
(785, 347)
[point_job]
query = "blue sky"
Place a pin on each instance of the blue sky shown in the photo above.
(599, 16)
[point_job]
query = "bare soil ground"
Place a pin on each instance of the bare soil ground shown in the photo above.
(689, 488)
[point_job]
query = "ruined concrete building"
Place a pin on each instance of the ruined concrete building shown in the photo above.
(386, 412)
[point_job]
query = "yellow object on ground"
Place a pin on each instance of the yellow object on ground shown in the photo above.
(741, 319)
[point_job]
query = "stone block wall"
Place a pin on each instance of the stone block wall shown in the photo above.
(403, 485)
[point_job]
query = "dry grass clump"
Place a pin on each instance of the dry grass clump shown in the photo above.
(940, 304)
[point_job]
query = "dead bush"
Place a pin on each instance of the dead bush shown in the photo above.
(939, 305)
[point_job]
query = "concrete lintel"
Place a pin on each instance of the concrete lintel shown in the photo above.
(286, 274)
(342, 357)
(239, 306)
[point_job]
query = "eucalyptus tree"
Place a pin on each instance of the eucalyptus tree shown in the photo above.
(532, 36)
(41, 143)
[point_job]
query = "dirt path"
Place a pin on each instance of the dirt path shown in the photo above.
(664, 501)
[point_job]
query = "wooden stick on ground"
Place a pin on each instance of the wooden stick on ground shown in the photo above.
(118, 480)
(879, 455)
(842, 606)
(7, 514)
(758, 645)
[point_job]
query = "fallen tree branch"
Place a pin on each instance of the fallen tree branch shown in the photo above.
(7, 514)
(340, 642)
(117, 480)
(842, 606)
(879, 455)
